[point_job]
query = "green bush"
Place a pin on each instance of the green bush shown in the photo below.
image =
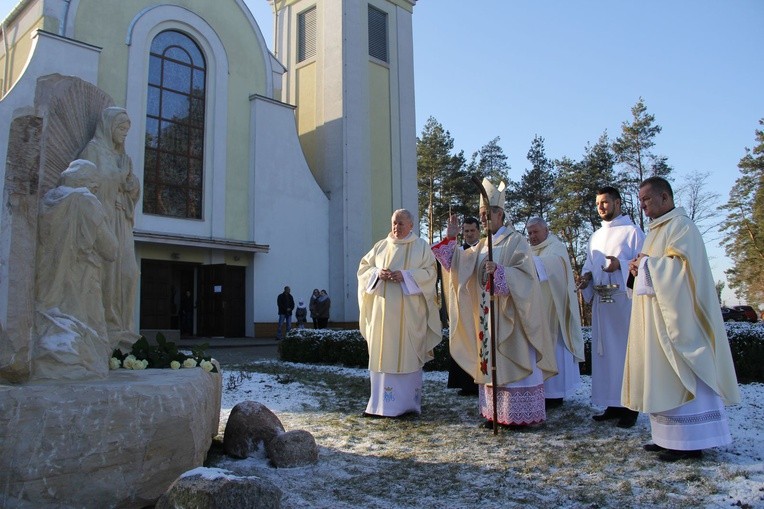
(344, 347)
(746, 342)
(348, 348)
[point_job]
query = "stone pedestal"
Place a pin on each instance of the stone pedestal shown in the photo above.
(118, 442)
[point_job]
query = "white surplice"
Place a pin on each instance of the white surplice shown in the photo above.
(610, 321)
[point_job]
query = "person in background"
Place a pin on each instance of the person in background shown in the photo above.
(678, 362)
(312, 307)
(457, 377)
(301, 314)
(558, 296)
(323, 308)
(285, 303)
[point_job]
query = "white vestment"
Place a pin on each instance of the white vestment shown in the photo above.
(563, 315)
(610, 321)
(678, 364)
(400, 322)
(524, 352)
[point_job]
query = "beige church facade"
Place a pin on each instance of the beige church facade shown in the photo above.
(258, 169)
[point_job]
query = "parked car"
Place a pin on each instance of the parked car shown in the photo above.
(749, 313)
(732, 315)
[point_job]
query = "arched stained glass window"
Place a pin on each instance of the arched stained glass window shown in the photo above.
(173, 164)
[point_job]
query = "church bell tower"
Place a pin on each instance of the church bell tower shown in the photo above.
(350, 75)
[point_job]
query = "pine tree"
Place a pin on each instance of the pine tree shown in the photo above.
(633, 150)
(575, 218)
(436, 166)
(489, 162)
(534, 194)
(744, 225)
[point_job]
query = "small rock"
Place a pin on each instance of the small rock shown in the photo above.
(292, 449)
(249, 424)
(212, 488)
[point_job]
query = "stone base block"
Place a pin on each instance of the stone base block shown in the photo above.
(117, 442)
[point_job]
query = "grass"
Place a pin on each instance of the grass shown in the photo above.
(443, 459)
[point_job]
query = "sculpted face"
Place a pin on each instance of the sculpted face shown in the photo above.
(653, 202)
(607, 207)
(537, 233)
(470, 233)
(401, 225)
(119, 132)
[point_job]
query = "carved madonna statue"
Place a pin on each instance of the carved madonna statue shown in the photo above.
(118, 191)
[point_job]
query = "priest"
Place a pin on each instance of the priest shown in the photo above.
(398, 317)
(678, 363)
(524, 350)
(563, 317)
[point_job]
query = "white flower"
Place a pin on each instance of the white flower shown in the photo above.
(129, 361)
(140, 364)
(189, 363)
(207, 366)
(114, 363)
(175, 365)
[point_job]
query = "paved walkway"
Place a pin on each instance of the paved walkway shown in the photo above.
(235, 350)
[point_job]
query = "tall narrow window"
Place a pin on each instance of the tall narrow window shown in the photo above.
(377, 34)
(306, 34)
(173, 165)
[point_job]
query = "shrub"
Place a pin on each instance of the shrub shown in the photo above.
(344, 347)
(348, 348)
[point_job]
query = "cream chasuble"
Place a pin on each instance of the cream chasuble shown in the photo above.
(677, 334)
(399, 321)
(517, 306)
(559, 295)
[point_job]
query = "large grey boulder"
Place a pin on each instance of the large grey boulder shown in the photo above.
(116, 442)
(249, 424)
(211, 488)
(292, 449)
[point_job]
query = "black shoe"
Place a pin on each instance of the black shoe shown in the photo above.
(611, 412)
(671, 455)
(468, 392)
(653, 448)
(552, 403)
(372, 416)
(486, 424)
(628, 418)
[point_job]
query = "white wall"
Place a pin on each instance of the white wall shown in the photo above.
(291, 212)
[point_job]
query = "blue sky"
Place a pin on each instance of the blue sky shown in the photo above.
(571, 70)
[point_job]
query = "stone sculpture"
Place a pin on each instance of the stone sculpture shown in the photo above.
(119, 192)
(75, 242)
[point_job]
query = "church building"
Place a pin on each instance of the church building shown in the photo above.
(259, 168)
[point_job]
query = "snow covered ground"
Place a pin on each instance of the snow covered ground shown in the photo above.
(443, 459)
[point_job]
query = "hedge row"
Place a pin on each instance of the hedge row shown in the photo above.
(348, 348)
